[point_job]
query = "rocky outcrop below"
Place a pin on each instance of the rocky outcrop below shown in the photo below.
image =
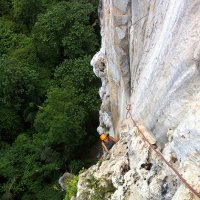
(149, 59)
(137, 173)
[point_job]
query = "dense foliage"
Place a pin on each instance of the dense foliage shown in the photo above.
(48, 93)
(71, 188)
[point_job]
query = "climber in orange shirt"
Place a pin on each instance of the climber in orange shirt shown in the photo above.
(107, 141)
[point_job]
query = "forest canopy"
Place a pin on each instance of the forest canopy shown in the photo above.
(48, 93)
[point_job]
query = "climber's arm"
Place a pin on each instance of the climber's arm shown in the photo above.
(113, 139)
(104, 147)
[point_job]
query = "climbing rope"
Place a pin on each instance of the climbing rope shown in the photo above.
(128, 108)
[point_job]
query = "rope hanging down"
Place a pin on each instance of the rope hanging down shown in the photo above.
(128, 108)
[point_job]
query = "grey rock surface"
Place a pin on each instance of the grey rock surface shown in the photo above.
(150, 59)
(138, 173)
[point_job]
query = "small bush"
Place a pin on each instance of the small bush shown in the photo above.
(71, 188)
(100, 192)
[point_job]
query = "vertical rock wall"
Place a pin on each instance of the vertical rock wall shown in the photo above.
(114, 59)
(150, 57)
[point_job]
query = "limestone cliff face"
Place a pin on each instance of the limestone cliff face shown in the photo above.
(150, 58)
(137, 173)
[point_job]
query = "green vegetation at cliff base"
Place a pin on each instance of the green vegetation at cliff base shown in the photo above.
(48, 93)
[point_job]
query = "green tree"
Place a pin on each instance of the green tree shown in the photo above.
(26, 12)
(5, 6)
(62, 121)
(21, 92)
(78, 72)
(29, 174)
(64, 28)
(23, 82)
(17, 82)
(9, 40)
(79, 41)
(48, 113)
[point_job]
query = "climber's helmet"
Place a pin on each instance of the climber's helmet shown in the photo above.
(103, 136)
